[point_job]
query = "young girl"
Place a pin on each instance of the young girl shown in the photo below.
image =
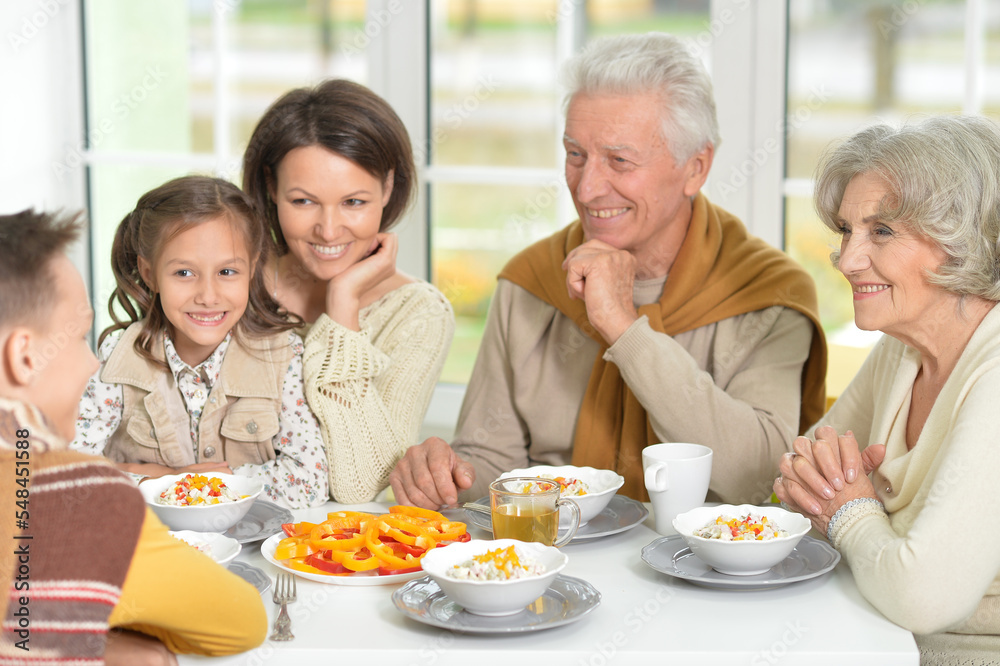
(205, 374)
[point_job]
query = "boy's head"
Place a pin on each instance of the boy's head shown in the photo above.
(45, 317)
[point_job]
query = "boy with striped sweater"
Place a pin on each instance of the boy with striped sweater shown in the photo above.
(79, 550)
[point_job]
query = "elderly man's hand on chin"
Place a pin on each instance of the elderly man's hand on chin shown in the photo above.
(430, 475)
(603, 277)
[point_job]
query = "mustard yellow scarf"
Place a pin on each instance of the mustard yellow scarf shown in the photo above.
(720, 272)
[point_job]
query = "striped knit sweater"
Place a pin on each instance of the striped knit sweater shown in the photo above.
(69, 523)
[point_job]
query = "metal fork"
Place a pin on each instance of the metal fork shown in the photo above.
(284, 594)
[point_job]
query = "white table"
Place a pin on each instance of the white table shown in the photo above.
(645, 617)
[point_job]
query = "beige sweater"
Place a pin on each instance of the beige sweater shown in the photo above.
(370, 389)
(733, 386)
(932, 564)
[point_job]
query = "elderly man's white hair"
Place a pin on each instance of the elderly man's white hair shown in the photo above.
(652, 63)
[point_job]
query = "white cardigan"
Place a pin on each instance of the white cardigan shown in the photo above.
(932, 565)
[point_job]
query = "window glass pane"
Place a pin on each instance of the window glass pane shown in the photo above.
(278, 46)
(477, 229)
(114, 192)
(495, 102)
(684, 18)
(138, 87)
(152, 101)
(850, 65)
(493, 87)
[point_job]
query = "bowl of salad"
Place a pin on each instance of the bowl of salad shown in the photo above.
(211, 502)
(743, 539)
(590, 488)
(495, 577)
(219, 547)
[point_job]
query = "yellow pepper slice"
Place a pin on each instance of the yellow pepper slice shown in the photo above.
(299, 565)
(291, 547)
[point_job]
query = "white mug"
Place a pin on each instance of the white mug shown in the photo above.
(676, 476)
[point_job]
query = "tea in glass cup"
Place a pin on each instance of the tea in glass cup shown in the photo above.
(527, 508)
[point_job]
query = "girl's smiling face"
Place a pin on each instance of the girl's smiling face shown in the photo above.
(887, 264)
(329, 208)
(202, 276)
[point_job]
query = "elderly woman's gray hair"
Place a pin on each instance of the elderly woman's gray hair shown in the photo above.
(652, 63)
(943, 178)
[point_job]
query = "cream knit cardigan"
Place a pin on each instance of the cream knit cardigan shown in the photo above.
(932, 564)
(370, 388)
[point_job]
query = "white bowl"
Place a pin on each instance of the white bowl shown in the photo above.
(202, 518)
(219, 547)
(741, 558)
(602, 484)
(493, 597)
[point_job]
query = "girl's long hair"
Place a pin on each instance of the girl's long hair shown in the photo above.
(161, 214)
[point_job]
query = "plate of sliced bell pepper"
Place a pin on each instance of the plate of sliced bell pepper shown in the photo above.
(356, 548)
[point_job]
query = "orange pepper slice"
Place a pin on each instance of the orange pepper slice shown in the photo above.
(325, 537)
(448, 531)
(291, 547)
(347, 519)
(417, 512)
(405, 531)
(358, 560)
(384, 553)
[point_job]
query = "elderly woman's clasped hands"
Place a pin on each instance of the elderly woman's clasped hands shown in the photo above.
(822, 475)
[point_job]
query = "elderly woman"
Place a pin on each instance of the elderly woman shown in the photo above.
(918, 212)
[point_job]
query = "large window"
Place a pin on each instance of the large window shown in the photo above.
(852, 64)
(176, 87)
(495, 158)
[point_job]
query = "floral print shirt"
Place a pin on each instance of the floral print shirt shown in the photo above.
(297, 478)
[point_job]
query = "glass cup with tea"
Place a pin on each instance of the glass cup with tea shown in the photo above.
(527, 508)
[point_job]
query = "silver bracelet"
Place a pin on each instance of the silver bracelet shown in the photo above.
(844, 508)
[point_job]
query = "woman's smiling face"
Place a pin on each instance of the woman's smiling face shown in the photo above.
(329, 208)
(887, 264)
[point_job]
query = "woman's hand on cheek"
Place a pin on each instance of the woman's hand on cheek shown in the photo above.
(345, 292)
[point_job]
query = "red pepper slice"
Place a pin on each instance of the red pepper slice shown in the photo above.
(326, 566)
(385, 571)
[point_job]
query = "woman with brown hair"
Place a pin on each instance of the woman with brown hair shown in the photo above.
(331, 170)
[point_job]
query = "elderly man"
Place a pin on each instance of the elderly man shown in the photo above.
(654, 318)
